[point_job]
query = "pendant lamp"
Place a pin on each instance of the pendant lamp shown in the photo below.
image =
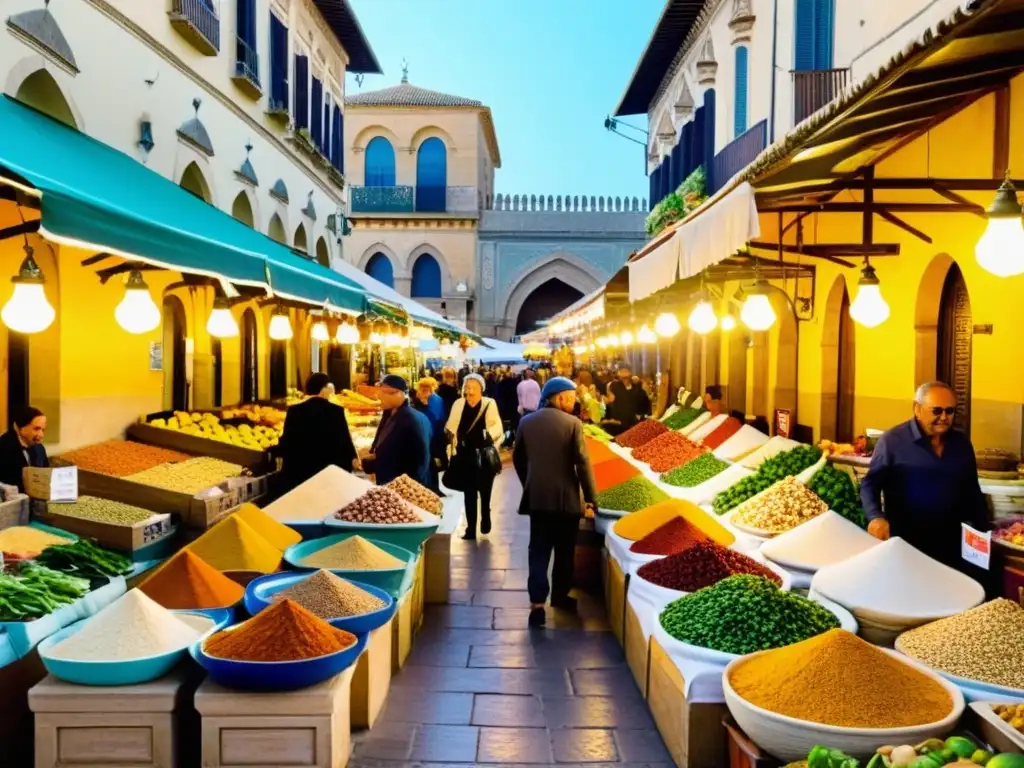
(137, 312)
(869, 308)
(221, 324)
(28, 311)
(1001, 248)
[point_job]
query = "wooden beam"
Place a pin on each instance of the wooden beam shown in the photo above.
(109, 272)
(867, 235)
(25, 228)
(956, 199)
(96, 259)
(895, 220)
(858, 207)
(821, 186)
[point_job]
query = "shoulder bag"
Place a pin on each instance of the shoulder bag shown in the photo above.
(487, 458)
(461, 466)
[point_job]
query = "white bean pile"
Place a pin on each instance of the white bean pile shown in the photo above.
(378, 505)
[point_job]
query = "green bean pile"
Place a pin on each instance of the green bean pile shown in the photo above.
(37, 591)
(85, 559)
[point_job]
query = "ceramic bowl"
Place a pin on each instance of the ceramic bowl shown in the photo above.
(260, 593)
(388, 579)
(408, 536)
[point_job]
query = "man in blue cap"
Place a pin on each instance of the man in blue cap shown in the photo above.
(402, 443)
(551, 460)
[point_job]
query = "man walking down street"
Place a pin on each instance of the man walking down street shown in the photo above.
(550, 458)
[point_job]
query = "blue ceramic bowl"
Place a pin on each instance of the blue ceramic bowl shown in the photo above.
(406, 535)
(117, 672)
(309, 529)
(388, 579)
(221, 617)
(275, 675)
(259, 594)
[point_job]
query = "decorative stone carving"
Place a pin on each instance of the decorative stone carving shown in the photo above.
(39, 29)
(246, 172)
(194, 133)
(742, 21)
(707, 65)
(666, 130)
(279, 191)
(487, 269)
(684, 102)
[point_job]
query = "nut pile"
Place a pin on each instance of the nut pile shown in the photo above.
(121, 457)
(416, 494)
(642, 433)
(378, 505)
(100, 511)
(782, 507)
(631, 495)
(985, 643)
(695, 472)
(1011, 714)
(702, 565)
(667, 451)
(192, 476)
(780, 465)
(325, 595)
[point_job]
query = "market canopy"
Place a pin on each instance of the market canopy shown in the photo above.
(98, 198)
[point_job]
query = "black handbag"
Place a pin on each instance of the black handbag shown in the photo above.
(487, 458)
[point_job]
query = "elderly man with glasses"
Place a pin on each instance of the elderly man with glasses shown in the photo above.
(928, 475)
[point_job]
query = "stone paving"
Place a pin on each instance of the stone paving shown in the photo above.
(482, 689)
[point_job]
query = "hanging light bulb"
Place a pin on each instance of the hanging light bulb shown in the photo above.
(137, 313)
(280, 326)
(347, 333)
(666, 325)
(645, 335)
(376, 337)
(221, 324)
(702, 319)
(392, 340)
(757, 313)
(602, 342)
(1001, 248)
(869, 308)
(728, 323)
(626, 338)
(28, 311)
(319, 331)
(593, 348)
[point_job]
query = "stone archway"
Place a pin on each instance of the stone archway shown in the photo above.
(562, 267)
(192, 180)
(926, 319)
(40, 91)
(547, 299)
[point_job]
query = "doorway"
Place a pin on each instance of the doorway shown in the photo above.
(250, 367)
(278, 369)
(845, 378)
(953, 354)
(17, 372)
(175, 375)
(218, 372)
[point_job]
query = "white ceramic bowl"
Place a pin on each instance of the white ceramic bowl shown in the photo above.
(789, 739)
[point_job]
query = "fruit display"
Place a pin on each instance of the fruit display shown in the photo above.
(836, 488)
(258, 414)
(192, 476)
(1011, 534)
(354, 401)
(256, 437)
(773, 469)
(783, 507)
(693, 473)
(830, 448)
(1011, 714)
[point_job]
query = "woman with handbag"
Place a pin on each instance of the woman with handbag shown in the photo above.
(476, 432)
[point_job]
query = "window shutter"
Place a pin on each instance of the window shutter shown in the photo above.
(652, 189)
(677, 163)
(301, 92)
(278, 63)
(824, 33)
(327, 147)
(338, 137)
(740, 116)
(698, 137)
(686, 141)
(316, 130)
(803, 54)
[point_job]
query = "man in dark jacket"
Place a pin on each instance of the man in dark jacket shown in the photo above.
(315, 436)
(22, 445)
(402, 443)
(551, 461)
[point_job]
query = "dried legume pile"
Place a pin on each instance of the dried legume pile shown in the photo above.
(674, 536)
(100, 511)
(835, 487)
(785, 464)
(701, 565)
(594, 431)
(667, 451)
(743, 614)
(642, 433)
(192, 476)
(325, 595)
(26, 540)
(695, 472)
(416, 494)
(838, 679)
(682, 418)
(631, 495)
(721, 433)
(353, 554)
(121, 457)
(985, 643)
(378, 505)
(783, 507)
(613, 472)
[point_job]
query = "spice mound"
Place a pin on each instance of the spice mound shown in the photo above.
(283, 632)
(131, 627)
(701, 565)
(682, 418)
(634, 494)
(121, 457)
(186, 582)
(695, 472)
(378, 505)
(838, 679)
(416, 494)
(278, 534)
(100, 511)
(327, 596)
(985, 643)
(192, 476)
(26, 540)
(639, 524)
(613, 472)
(353, 554)
(319, 496)
(783, 507)
(597, 451)
(674, 536)
(721, 433)
(667, 451)
(771, 470)
(642, 433)
(234, 545)
(743, 614)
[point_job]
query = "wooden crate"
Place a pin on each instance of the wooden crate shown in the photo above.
(401, 632)
(638, 649)
(417, 595)
(437, 560)
(133, 725)
(258, 461)
(743, 753)
(618, 584)
(14, 512)
(127, 538)
(372, 678)
(307, 727)
(693, 733)
(249, 488)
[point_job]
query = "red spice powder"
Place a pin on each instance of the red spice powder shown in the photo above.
(642, 433)
(701, 566)
(613, 472)
(722, 432)
(667, 451)
(676, 535)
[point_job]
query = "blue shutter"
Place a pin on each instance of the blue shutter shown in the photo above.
(426, 278)
(740, 116)
(709, 134)
(669, 175)
(337, 136)
(652, 189)
(379, 267)
(824, 33)
(316, 129)
(278, 64)
(301, 92)
(327, 147)
(677, 162)
(379, 163)
(686, 155)
(803, 49)
(697, 138)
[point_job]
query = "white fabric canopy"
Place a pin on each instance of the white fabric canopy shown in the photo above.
(499, 352)
(654, 270)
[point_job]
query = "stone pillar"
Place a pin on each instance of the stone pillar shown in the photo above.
(403, 285)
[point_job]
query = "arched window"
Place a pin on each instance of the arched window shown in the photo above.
(300, 239)
(431, 175)
(192, 180)
(276, 230)
(241, 209)
(323, 255)
(740, 112)
(426, 278)
(250, 367)
(40, 91)
(379, 267)
(380, 163)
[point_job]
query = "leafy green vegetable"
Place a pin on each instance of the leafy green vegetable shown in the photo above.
(782, 465)
(37, 591)
(85, 559)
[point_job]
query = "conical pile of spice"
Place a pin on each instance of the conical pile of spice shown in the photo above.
(677, 535)
(330, 597)
(234, 545)
(186, 581)
(353, 554)
(283, 632)
(278, 534)
(838, 679)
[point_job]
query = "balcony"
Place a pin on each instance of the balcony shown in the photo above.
(737, 155)
(814, 88)
(247, 68)
(198, 21)
(419, 199)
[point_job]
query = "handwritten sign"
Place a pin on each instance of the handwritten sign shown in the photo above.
(975, 546)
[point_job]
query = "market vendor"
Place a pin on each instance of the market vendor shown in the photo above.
(627, 401)
(927, 472)
(22, 445)
(315, 435)
(713, 399)
(402, 443)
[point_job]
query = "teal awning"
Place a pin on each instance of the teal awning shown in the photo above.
(97, 196)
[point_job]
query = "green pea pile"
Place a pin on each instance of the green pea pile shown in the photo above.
(743, 614)
(835, 487)
(682, 418)
(785, 464)
(700, 470)
(634, 494)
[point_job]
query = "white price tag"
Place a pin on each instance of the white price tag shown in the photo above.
(975, 546)
(64, 484)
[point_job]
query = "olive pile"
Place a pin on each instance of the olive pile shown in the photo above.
(378, 505)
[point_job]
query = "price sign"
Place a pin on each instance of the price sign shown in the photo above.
(783, 422)
(975, 546)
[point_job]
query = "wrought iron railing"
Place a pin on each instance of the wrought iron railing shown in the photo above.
(737, 155)
(394, 199)
(202, 16)
(247, 61)
(814, 88)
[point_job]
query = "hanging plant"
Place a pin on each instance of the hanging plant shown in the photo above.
(677, 205)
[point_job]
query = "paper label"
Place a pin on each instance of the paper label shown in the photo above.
(64, 484)
(975, 546)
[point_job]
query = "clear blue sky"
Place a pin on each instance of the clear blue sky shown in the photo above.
(550, 70)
